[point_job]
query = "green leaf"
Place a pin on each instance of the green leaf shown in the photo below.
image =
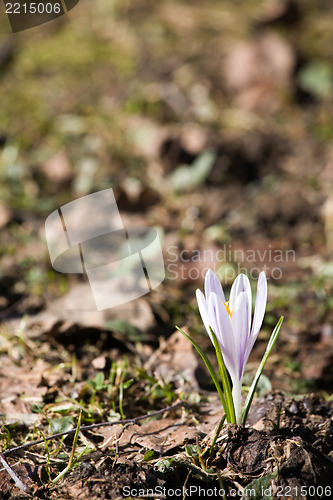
(128, 383)
(75, 440)
(210, 369)
(252, 390)
(63, 407)
(189, 176)
(260, 489)
(317, 78)
(191, 450)
(62, 424)
(165, 464)
(150, 455)
(231, 417)
(99, 381)
(217, 433)
(72, 459)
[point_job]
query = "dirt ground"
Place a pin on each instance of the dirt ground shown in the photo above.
(212, 122)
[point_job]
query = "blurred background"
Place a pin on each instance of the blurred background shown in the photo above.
(212, 120)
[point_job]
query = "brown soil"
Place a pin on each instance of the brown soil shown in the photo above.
(287, 452)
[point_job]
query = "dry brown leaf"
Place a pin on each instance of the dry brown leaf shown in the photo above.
(175, 358)
(77, 307)
(5, 215)
(255, 71)
(57, 168)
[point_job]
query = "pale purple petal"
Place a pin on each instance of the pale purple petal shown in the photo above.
(223, 332)
(261, 299)
(241, 328)
(229, 362)
(236, 288)
(241, 284)
(202, 304)
(213, 285)
(249, 348)
(217, 310)
(259, 312)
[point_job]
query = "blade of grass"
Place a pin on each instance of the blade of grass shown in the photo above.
(47, 449)
(209, 368)
(72, 455)
(253, 387)
(217, 434)
(121, 396)
(75, 440)
(231, 416)
(222, 487)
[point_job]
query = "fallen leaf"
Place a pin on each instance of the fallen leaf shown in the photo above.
(256, 71)
(5, 215)
(57, 168)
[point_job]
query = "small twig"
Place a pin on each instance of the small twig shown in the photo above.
(93, 426)
(16, 479)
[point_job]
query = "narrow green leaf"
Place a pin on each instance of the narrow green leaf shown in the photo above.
(231, 417)
(210, 369)
(260, 489)
(128, 383)
(121, 397)
(72, 455)
(252, 390)
(218, 430)
(76, 437)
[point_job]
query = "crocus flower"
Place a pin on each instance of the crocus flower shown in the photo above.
(231, 323)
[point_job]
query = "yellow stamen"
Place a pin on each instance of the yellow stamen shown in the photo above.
(226, 305)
